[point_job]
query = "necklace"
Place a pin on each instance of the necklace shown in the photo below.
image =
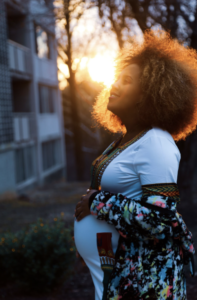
(114, 149)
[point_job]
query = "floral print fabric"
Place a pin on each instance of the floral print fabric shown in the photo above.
(155, 244)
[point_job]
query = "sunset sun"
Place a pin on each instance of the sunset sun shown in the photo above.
(101, 69)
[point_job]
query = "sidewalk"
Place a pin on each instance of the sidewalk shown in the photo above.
(47, 203)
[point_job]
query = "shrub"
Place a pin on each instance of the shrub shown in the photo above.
(38, 257)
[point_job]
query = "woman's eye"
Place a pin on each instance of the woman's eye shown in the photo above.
(127, 81)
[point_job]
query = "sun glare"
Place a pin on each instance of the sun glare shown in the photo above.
(64, 69)
(101, 69)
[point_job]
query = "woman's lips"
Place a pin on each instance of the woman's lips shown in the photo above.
(113, 97)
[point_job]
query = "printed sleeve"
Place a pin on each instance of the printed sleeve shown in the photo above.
(153, 215)
(148, 218)
(154, 218)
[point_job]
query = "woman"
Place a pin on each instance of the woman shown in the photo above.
(127, 228)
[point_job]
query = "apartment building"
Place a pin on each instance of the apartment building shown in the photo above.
(32, 147)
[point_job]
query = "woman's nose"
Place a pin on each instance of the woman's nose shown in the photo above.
(115, 85)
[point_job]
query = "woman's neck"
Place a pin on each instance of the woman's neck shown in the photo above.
(131, 133)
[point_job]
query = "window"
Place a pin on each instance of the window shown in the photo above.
(24, 158)
(46, 2)
(42, 42)
(46, 99)
(50, 154)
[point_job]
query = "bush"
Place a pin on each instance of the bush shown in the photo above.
(38, 257)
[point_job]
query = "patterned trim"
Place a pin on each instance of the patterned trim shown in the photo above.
(165, 189)
(104, 245)
(113, 145)
(107, 257)
(99, 164)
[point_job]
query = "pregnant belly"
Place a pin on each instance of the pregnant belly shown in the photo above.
(95, 237)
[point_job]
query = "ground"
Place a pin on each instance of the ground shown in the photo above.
(47, 203)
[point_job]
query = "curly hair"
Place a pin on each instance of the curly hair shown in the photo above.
(168, 82)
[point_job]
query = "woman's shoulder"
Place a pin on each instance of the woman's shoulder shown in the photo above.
(158, 140)
(155, 132)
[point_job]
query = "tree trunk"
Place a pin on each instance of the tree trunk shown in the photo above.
(74, 105)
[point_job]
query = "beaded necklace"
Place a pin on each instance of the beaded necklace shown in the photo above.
(114, 149)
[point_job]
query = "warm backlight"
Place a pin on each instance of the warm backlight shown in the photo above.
(101, 69)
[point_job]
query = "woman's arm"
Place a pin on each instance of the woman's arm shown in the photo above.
(150, 217)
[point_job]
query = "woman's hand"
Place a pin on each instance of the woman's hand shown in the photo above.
(82, 208)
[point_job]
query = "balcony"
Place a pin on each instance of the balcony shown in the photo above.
(48, 126)
(19, 58)
(24, 127)
(45, 70)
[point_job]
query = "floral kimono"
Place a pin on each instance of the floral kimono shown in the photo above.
(154, 243)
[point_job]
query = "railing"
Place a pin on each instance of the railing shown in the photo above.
(48, 125)
(24, 127)
(19, 58)
(45, 69)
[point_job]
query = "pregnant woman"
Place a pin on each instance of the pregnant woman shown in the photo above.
(127, 228)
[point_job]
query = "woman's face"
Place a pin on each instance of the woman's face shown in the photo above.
(125, 92)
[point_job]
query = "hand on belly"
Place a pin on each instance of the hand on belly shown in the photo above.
(82, 208)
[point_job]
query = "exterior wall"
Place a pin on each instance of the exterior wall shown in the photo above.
(6, 128)
(23, 126)
(49, 125)
(7, 171)
(7, 168)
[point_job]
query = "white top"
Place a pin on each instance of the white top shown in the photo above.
(154, 158)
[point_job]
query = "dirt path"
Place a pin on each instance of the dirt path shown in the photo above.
(47, 203)
(78, 287)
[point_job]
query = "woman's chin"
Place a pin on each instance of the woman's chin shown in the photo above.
(110, 107)
(113, 110)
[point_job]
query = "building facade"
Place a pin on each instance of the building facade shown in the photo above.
(32, 147)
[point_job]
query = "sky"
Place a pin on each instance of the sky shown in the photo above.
(94, 49)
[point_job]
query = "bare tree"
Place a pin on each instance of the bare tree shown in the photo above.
(171, 15)
(69, 12)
